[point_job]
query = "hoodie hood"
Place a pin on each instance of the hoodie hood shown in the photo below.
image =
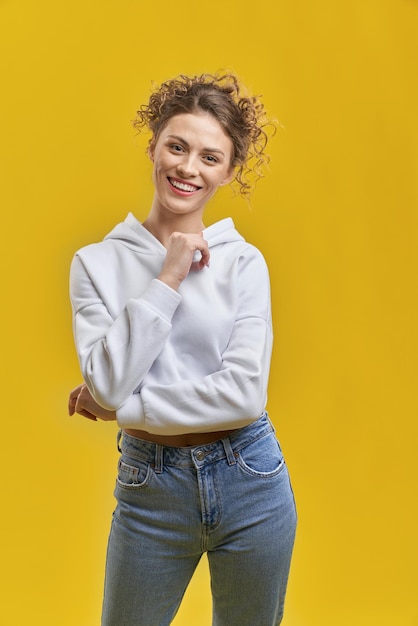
(132, 234)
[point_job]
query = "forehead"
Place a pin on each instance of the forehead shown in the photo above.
(198, 128)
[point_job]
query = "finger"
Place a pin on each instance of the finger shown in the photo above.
(204, 260)
(205, 251)
(72, 399)
(79, 405)
(203, 248)
(89, 416)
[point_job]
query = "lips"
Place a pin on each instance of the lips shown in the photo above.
(182, 186)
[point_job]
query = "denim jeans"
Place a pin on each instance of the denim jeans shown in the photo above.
(231, 498)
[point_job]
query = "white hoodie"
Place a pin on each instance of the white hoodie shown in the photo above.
(170, 362)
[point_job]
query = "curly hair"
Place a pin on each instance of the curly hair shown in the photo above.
(242, 117)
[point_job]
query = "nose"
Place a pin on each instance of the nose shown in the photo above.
(188, 167)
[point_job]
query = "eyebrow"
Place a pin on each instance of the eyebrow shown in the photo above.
(186, 143)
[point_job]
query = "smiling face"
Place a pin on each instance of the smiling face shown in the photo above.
(192, 158)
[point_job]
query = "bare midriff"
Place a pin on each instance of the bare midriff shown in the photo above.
(179, 441)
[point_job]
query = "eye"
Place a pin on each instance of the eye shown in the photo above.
(211, 159)
(176, 147)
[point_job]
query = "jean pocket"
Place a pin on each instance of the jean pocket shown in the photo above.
(133, 476)
(262, 457)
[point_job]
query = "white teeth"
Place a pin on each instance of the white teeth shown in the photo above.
(182, 186)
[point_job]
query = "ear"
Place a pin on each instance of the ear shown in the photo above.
(151, 148)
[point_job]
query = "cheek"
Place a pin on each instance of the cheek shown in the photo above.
(158, 167)
(219, 180)
(156, 175)
(163, 163)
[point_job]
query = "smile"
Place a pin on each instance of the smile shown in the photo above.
(186, 187)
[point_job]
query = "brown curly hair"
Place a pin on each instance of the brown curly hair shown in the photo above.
(242, 117)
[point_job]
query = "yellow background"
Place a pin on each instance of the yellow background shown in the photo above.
(336, 218)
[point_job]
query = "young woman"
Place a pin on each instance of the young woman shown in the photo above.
(173, 331)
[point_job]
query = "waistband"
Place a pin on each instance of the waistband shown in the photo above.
(195, 456)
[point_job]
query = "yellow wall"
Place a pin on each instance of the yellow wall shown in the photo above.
(336, 218)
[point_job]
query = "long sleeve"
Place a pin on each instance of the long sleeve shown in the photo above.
(230, 397)
(116, 351)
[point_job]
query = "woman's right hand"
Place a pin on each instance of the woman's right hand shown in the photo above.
(179, 260)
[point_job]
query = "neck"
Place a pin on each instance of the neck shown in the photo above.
(162, 226)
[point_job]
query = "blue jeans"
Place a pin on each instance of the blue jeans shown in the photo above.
(231, 498)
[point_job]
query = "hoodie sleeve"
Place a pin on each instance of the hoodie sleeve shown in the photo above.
(111, 367)
(232, 397)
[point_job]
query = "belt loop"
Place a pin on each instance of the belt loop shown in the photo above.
(118, 438)
(158, 458)
(228, 451)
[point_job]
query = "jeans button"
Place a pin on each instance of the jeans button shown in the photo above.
(200, 455)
